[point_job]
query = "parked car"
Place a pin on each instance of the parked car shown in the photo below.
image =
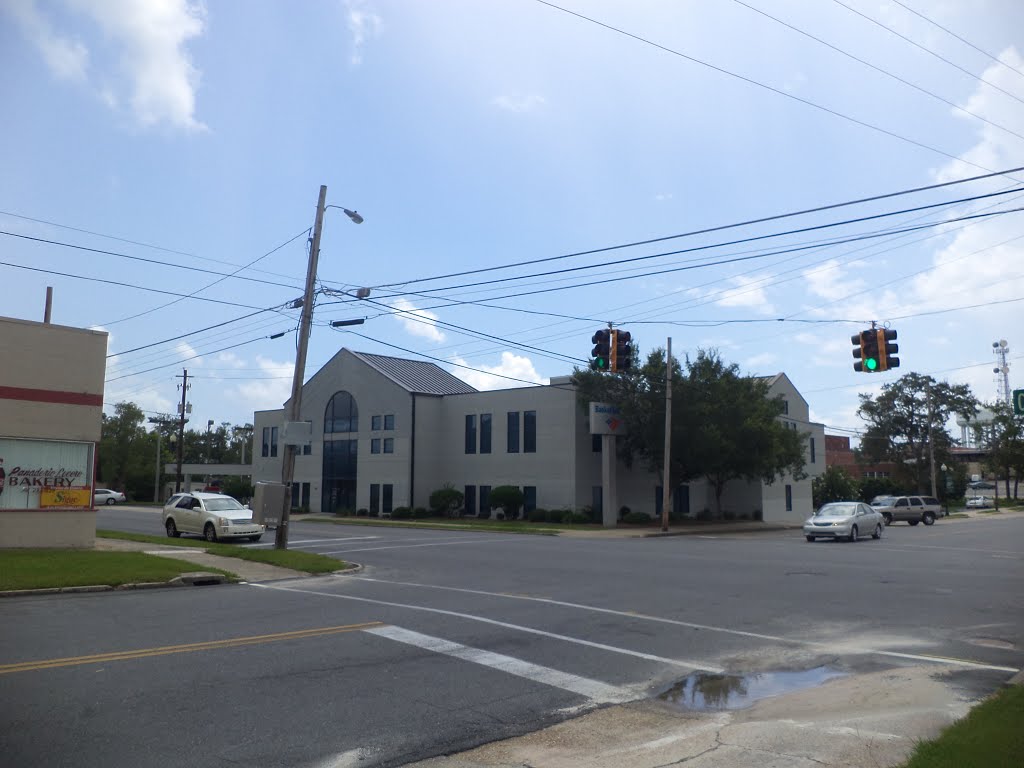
(106, 496)
(911, 509)
(211, 515)
(848, 520)
(979, 502)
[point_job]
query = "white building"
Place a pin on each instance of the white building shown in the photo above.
(387, 432)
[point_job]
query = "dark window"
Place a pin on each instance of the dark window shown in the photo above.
(469, 500)
(389, 421)
(273, 441)
(529, 498)
(595, 443)
(307, 449)
(300, 495)
(597, 501)
(375, 423)
(341, 414)
(813, 460)
(374, 499)
(470, 433)
(915, 502)
(386, 507)
(185, 503)
(305, 495)
(375, 445)
(266, 441)
(680, 500)
(512, 445)
(789, 498)
(485, 433)
(785, 407)
(389, 445)
(339, 483)
(485, 500)
(529, 431)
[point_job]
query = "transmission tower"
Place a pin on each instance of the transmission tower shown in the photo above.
(1002, 370)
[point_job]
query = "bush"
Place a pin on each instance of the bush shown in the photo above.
(419, 513)
(401, 513)
(576, 518)
(446, 501)
(537, 515)
(636, 518)
(483, 514)
(558, 515)
(623, 511)
(361, 513)
(507, 498)
(728, 515)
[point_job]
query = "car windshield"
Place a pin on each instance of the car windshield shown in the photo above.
(222, 504)
(837, 510)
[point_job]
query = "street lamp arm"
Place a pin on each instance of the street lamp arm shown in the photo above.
(354, 215)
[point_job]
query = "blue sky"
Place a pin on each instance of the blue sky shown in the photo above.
(479, 134)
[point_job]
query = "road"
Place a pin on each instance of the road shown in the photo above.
(447, 640)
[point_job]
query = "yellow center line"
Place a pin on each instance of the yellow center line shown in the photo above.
(142, 653)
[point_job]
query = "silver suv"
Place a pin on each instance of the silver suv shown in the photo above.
(912, 509)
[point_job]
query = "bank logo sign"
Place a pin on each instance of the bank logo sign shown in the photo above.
(606, 419)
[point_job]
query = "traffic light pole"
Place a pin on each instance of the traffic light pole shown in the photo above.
(666, 486)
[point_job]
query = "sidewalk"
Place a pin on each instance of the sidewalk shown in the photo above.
(244, 569)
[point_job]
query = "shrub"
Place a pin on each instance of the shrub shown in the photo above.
(537, 516)
(507, 498)
(728, 515)
(361, 513)
(623, 511)
(401, 513)
(483, 514)
(499, 515)
(558, 515)
(636, 518)
(419, 513)
(576, 518)
(446, 501)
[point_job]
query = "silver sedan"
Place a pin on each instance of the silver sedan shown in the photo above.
(848, 520)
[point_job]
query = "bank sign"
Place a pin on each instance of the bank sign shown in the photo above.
(37, 474)
(606, 419)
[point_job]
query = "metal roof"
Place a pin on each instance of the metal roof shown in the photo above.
(417, 376)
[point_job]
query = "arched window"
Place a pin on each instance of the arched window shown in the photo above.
(341, 414)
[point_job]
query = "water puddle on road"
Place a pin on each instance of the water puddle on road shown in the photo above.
(706, 691)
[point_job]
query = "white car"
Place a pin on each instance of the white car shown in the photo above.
(211, 515)
(848, 520)
(106, 496)
(979, 502)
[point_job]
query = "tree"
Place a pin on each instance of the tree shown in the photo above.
(834, 484)
(903, 416)
(1005, 444)
(509, 499)
(447, 501)
(126, 451)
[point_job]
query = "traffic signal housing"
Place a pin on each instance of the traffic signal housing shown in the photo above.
(622, 352)
(601, 353)
(887, 350)
(866, 351)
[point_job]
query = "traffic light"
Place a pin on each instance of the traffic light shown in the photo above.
(866, 351)
(622, 352)
(601, 351)
(887, 349)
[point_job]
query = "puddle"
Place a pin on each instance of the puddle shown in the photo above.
(704, 691)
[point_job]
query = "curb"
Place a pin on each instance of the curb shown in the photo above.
(196, 578)
(1017, 679)
(352, 568)
(769, 528)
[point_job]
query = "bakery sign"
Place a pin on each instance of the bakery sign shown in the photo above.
(38, 474)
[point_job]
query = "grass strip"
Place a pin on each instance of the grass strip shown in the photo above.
(283, 558)
(991, 736)
(495, 526)
(47, 568)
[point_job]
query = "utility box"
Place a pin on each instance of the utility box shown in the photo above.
(267, 503)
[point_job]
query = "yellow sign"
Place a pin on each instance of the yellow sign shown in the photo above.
(65, 497)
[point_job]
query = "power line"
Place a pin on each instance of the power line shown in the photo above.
(193, 357)
(190, 333)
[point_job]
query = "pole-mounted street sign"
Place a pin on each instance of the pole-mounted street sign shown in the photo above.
(1018, 402)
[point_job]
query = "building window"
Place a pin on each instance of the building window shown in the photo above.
(375, 423)
(339, 476)
(785, 407)
(389, 422)
(375, 445)
(341, 414)
(512, 444)
(813, 453)
(470, 433)
(529, 499)
(300, 496)
(389, 492)
(789, 498)
(389, 445)
(469, 499)
(529, 431)
(266, 441)
(597, 501)
(374, 499)
(485, 501)
(595, 443)
(307, 449)
(485, 433)
(273, 441)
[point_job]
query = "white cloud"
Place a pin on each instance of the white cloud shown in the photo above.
(830, 282)
(269, 391)
(746, 293)
(418, 322)
(363, 25)
(67, 59)
(762, 362)
(513, 365)
(527, 102)
(661, 197)
(230, 358)
(186, 350)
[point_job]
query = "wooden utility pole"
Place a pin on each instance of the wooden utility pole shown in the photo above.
(666, 486)
(181, 426)
(49, 304)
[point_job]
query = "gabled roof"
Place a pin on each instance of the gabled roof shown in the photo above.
(417, 376)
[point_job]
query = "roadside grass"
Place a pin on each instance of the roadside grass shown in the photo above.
(991, 736)
(284, 558)
(495, 526)
(43, 568)
(958, 516)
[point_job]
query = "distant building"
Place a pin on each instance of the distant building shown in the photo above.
(838, 453)
(387, 432)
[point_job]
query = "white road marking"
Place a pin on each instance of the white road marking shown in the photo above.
(505, 625)
(596, 691)
(411, 546)
(693, 625)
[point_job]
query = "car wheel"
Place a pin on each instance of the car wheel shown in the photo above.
(810, 538)
(209, 532)
(172, 529)
(928, 518)
(110, 501)
(853, 534)
(256, 538)
(913, 522)
(888, 518)
(878, 532)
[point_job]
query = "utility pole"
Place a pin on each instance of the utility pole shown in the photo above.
(666, 490)
(294, 404)
(181, 425)
(160, 423)
(931, 440)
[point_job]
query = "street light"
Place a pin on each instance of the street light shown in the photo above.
(294, 404)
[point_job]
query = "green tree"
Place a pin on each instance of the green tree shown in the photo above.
(1005, 443)
(507, 498)
(127, 451)
(903, 416)
(834, 484)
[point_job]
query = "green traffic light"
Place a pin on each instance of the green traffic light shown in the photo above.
(871, 364)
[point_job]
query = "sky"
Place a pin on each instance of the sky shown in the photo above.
(162, 162)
